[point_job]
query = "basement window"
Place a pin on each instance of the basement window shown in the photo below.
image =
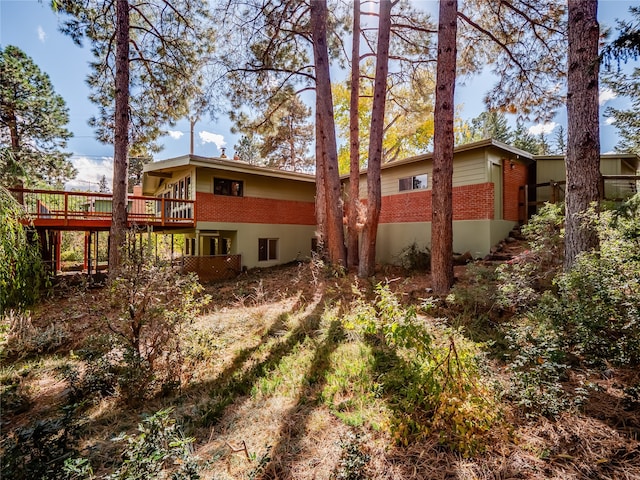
(417, 182)
(267, 249)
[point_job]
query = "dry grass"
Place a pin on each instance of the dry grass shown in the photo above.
(260, 360)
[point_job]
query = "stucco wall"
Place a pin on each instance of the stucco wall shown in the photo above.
(474, 236)
(294, 241)
(258, 186)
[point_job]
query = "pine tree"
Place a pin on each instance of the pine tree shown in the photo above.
(247, 149)
(491, 124)
(286, 144)
(523, 140)
(144, 75)
(560, 141)
(583, 148)
(32, 125)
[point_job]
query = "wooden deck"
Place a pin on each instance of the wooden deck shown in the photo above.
(61, 210)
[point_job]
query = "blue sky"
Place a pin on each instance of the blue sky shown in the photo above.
(32, 26)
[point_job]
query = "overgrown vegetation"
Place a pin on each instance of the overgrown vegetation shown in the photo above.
(300, 373)
(22, 272)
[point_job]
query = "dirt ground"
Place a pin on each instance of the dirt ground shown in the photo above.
(290, 434)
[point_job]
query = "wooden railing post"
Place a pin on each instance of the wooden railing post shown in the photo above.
(66, 208)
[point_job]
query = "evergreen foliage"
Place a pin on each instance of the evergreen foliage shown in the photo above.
(32, 124)
(168, 41)
(21, 267)
(622, 49)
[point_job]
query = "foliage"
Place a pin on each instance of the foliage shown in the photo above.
(149, 304)
(39, 450)
(247, 149)
(413, 258)
(32, 124)
(353, 459)
(287, 137)
(524, 140)
(169, 40)
(21, 268)
(522, 279)
(490, 124)
(23, 339)
(477, 294)
(158, 450)
(525, 46)
(627, 45)
(626, 84)
(432, 376)
(537, 367)
(411, 100)
(598, 303)
(14, 392)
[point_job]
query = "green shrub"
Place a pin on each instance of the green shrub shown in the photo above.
(522, 279)
(431, 375)
(22, 273)
(598, 303)
(414, 258)
(38, 451)
(23, 339)
(159, 449)
(537, 367)
(477, 295)
(148, 305)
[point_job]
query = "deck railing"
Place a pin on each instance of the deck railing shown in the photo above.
(61, 208)
(615, 188)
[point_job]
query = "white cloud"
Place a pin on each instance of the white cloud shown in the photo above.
(215, 138)
(42, 35)
(545, 128)
(90, 171)
(175, 134)
(610, 121)
(606, 95)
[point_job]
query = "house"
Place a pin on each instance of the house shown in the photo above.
(487, 199)
(248, 216)
(618, 170)
(245, 216)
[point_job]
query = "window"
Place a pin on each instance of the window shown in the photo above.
(224, 186)
(267, 249)
(416, 182)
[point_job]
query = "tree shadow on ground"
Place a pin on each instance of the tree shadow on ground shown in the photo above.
(233, 382)
(295, 421)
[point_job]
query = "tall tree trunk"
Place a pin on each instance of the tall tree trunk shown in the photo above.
(354, 142)
(583, 145)
(321, 202)
(324, 107)
(15, 157)
(443, 141)
(121, 140)
(374, 201)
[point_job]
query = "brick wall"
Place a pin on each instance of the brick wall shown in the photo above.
(470, 202)
(512, 180)
(221, 208)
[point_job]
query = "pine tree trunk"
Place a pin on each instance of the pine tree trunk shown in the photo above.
(443, 141)
(324, 107)
(321, 202)
(121, 140)
(15, 158)
(374, 201)
(354, 142)
(583, 145)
